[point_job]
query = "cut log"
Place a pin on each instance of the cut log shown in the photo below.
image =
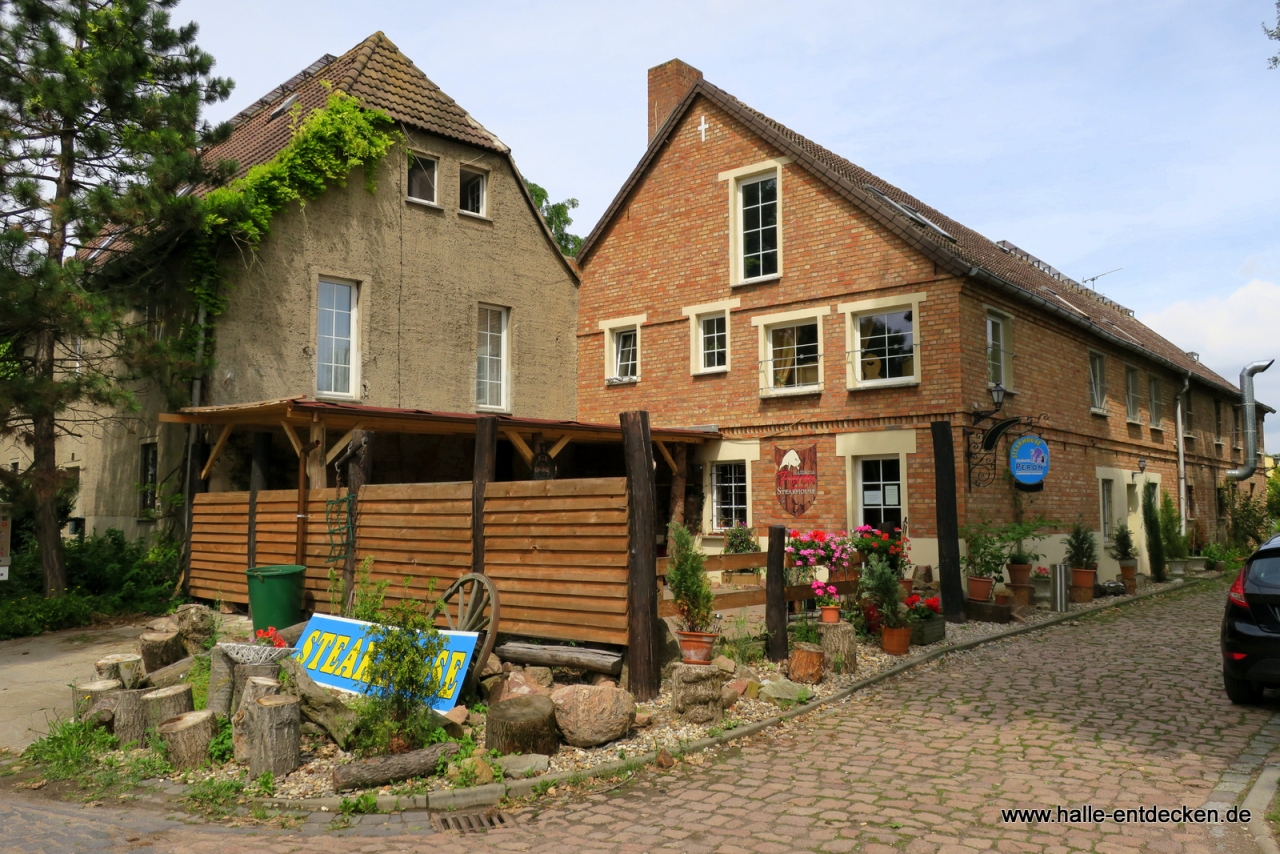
(275, 742)
(103, 712)
(166, 676)
(160, 649)
(164, 703)
(255, 688)
(318, 705)
(187, 738)
(379, 770)
(840, 645)
(123, 666)
(807, 664)
(197, 626)
(221, 682)
(130, 717)
(87, 694)
(522, 725)
(292, 634)
(598, 660)
(243, 672)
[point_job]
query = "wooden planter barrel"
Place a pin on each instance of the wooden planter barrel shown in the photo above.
(928, 631)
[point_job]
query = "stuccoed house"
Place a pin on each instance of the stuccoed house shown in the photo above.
(747, 279)
(440, 291)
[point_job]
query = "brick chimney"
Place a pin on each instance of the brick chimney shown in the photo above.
(668, 84)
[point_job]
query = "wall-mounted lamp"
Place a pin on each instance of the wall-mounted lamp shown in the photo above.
(997, 399)
(1142, 468)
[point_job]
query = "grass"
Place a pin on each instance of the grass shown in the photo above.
(70, 748)
(198, 679)
(214, 798)
(364, 804)
(220, 749)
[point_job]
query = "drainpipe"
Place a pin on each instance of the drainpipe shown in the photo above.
(1248, 404)
(193, 466)
(1182, 455)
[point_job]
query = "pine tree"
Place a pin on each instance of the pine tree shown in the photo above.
(100, 122)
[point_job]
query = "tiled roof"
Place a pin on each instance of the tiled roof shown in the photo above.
(378, 75)
(956, 247)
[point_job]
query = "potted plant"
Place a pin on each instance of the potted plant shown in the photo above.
(1175, 542)
(984, 563)
(687, 578)
(1020, 537)
(880, 588)
(927, 624)
(1042, 580)
(1124, 550)
(1082, 557)
(825, 595)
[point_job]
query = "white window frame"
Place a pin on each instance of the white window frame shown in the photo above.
(765, 324)
(1132, 395)
(417, 200)
(611, 328)
(859, 509)
(1098, 384)
(715, 495)
(1107, 506)
(1155, 403)
(698, 313)
(725, 451)
(505, 361)
(884, 444)
(1005, 322)
(483, 213)
(354, 386)
(853, 338)
(736, 178)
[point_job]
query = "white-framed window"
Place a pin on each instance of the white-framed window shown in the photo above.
(709, 336)
(1108, 509)
(1217, 420)
(1188, 416)
(882, 340)
(335, 339)
(622, 349)
(999, 349)
(423, 174)
(492, 383)
(728, 494)
(1132, 394)
(880, 487)
(1098, 383)
(148, 477)
(1155, 406)
(791, 350)
(755, 221)
(472, 192)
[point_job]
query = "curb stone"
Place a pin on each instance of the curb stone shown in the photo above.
(1257, 802)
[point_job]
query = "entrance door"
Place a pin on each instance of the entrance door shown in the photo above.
(880, 493)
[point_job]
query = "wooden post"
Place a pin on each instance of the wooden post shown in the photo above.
(775, 605)
(258, 465)
(485, 468)
(300, 535)
(944, 469)
(678, 479)
(359, 470)
(644, 676)
(317, 468)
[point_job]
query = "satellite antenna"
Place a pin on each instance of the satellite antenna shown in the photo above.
(1087, 281)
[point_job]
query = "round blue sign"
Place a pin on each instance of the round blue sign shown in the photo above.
(1029, 459)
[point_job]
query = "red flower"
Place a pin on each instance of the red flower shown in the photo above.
(911, 600)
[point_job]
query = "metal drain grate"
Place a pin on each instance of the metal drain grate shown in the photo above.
(470, 822)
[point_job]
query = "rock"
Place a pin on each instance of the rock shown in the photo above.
(475, 719)
(480, 772)
(738, 686)
(784, 691)
(539, 675)
(163, 624)
(318, 705)
(589, 715)
(508, 667)
(601, 679)
(664, 759)
(489, 686)
(728, 698)
(526, 765)
(753, 690)
(744, 672)
(724, 663)
(492, 667)
(643, 719)
(517, 684)
(458, 715)
(196, 624)
(695, 692)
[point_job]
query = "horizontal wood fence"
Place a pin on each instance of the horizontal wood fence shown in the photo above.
(846, 582)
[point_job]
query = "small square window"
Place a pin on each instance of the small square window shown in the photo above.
(728, 495)
(471, 192)
(794, 355)
(715, 341)
(887, 346)
(626, 354)
(422, 179)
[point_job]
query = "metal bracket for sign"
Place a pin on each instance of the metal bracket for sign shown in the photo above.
(980, 448)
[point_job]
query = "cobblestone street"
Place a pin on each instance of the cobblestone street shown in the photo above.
(1123, 709)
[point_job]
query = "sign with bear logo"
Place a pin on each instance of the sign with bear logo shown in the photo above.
(796, 480)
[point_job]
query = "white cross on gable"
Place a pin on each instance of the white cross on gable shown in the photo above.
(702, 126)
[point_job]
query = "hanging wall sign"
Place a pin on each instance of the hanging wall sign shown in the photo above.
(1029, 460)
(796, 480)
(335, 652)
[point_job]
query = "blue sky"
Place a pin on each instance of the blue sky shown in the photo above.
(1095, 135)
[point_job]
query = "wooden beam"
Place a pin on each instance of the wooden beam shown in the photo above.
(317, 470)
(359, 472)
(666, 455)
(341, 444)
(644, 674)
(948, 524)
(559, 446)
(775, 606)
(484, 470)
(525, 452)
(293, 437)
(217, 451)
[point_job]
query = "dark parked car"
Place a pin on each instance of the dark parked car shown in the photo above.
(1251, 627)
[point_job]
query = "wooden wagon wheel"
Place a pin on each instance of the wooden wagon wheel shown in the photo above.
(470, 604)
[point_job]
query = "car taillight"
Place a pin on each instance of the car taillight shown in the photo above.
(1236, 594)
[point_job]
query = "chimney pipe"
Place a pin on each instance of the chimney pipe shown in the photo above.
(1248, 404)
(668, 84)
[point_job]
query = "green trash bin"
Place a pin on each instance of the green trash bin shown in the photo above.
(275, 596)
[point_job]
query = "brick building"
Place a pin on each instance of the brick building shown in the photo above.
(747, 278)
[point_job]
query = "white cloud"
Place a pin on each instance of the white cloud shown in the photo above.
(1229, 332)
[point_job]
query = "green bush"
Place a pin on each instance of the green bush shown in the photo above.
(1082, 547)
(879, 586)
(1151, 524)
(71, 747)
(740, 540)
(1175, 542)
(687, 578)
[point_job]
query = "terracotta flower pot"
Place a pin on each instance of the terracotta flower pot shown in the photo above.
(1002, 598)
(907, 584)
(1019, 573)
(696, 647)
(1083, 577)
(980, 588)
(1129, 570)
(895, 641)
(830, 613)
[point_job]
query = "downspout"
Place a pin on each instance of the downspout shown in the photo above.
(193, 467)
(1182, 455)
(1250, 415)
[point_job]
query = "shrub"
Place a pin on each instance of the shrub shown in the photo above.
(1151, 524)
(1175, 542)
(1122, 546)
(986, 553)
(740, 540)
(1082, 547)
(687, 579)
(879, 587)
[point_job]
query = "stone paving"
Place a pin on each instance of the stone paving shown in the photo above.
(1123, 709)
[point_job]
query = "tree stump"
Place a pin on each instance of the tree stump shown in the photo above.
(164, 703)
(522, 725)
(379, 770)
(807, 663)
(275, 735)
(1081, 594)
(125, 667)
(196, 626)
(187, 738)
(160, 649)
(243, 672)
(255, 689)
(130, 716)
(87, 694)
(166, 676)
(840, 645)
(221, 682)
